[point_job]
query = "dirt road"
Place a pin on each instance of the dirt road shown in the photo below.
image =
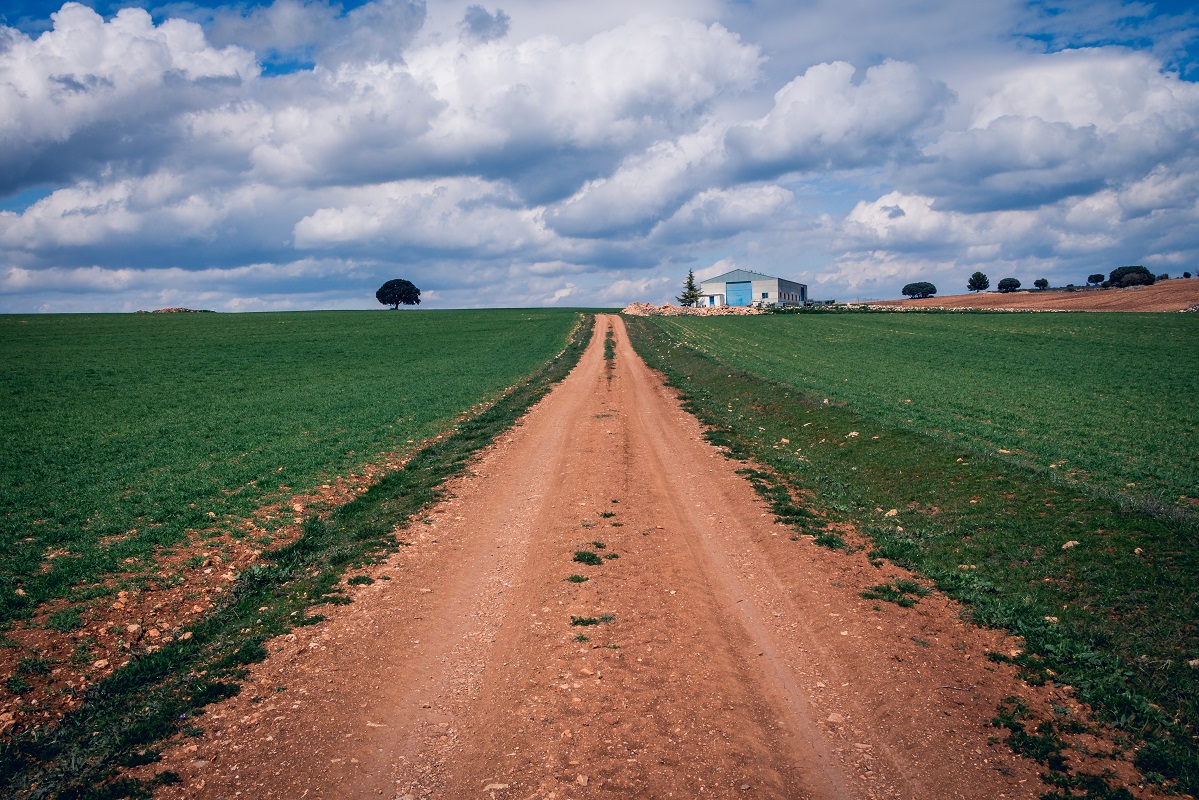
(725, 658)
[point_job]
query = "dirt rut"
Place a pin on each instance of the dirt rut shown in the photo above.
(710, 653)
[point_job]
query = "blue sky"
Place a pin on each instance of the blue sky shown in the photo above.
(297, 154)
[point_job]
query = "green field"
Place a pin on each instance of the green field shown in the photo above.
(1110, 400)
(122, 433)
(1102, 586)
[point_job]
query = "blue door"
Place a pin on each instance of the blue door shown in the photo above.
(738, 293)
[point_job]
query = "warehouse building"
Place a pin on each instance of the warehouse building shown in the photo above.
(741, 287)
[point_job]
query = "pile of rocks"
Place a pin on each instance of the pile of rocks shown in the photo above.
(651, 310)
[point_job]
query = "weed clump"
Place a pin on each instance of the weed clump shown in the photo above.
(902, 591)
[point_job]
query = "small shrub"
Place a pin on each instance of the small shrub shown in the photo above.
(587, 557)
(583, 621)
(576, 578)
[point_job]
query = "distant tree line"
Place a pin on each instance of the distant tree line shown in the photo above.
(1120, 277)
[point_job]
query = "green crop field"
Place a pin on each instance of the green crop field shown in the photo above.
(1039, 468)
(121, 433)
(1110, 400)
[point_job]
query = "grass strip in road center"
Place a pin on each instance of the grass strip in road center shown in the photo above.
(164, 692)
(1105, 597)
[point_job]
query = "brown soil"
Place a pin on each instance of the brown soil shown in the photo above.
(727, 658)
(1179, 294)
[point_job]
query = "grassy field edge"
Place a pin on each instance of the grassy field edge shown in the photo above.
(1104, 597)
(163, 693)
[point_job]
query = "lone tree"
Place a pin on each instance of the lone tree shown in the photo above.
(1041, 283)
(398, 291)
(1130, 276)
(1009, 285)
(690, 295)
(978, 282)
(919, 289)
(1095, 279)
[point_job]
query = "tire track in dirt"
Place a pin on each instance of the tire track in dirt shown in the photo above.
(726, 660)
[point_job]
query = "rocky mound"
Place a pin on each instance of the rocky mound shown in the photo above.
(651, 310)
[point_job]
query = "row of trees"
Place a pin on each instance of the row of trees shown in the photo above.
(1119, 277)
(979, 282)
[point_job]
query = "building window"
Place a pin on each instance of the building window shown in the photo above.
(765, 295)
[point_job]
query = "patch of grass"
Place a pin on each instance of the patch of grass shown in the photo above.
(995, 384)
(612, 556)
(598, 545)
(65, 620)
(829, 540)
(1042, 744)
(576, 578)
(902, 591)
(583, 621)
(17, 684)
(587, 557)
(1103, 589)
(155, 695)
(581, 637)
(181, 422)
(607, 514)
(360, 580)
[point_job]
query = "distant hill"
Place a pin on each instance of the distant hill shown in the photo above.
(1178, 294)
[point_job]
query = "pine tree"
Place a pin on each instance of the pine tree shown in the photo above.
(690, 295)
(978, 282)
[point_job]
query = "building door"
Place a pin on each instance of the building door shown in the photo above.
(739, 293)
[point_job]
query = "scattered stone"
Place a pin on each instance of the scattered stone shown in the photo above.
(892, 513)
(581, 780)
(835, 718)
(495, 787)
(1070, 544)
(651, 310)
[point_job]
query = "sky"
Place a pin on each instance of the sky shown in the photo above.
(296, 154)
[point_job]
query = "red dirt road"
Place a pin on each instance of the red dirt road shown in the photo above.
(727, 660)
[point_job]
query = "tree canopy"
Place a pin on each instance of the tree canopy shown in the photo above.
(1008, 285)
(978, 282)
(919, 289)
(398, 291)
(1131, 276)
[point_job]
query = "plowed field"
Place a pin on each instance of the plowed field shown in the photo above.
(1172, 295)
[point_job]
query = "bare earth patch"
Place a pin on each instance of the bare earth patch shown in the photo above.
(1179, 294)
(708, 653)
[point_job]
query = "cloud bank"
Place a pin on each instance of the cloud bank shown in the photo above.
(298, 154)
